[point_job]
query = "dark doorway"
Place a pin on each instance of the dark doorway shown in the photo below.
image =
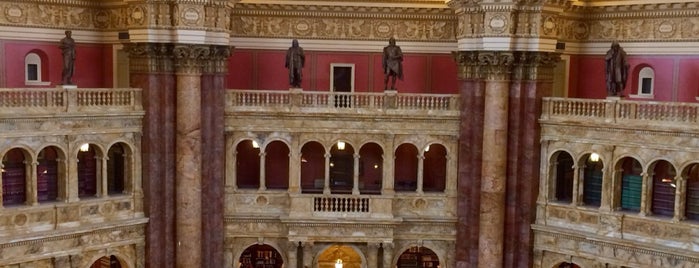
(342, 83)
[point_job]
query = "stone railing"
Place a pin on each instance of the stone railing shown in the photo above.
(31, 101)
(619, 111)
(237, 99)
(341, 204)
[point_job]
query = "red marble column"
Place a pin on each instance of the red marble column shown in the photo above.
(469, 167)
(213, 164)
(151, 70)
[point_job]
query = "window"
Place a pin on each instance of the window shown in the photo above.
(32, 70)
(592, 182)
(434, 174)
(663, 199)
(342, 82)
(116, 169)
(312, 167)
(631, 183)
(277, 165)
(405, 168)
(692, 201)
(370, 169)
(87, 173)
(47, 175)
(14, 178)
(646, 77)
(564, 178)
(247, 165)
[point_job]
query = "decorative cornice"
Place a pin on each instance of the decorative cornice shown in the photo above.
(505, 65)
(343, 22)
(150, 57)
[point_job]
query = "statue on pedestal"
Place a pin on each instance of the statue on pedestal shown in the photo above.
(295, 60)
(617, 69)
(67, 47)
(392, 63)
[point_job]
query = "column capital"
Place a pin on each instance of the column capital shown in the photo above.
(217, 61)
(150, 57)
(189, 59)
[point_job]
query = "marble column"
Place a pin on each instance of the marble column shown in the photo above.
(388, 254)
(213, 154)
(372, 254)
(188, 181)
(469, 161)
(151, 68)
(494, 158)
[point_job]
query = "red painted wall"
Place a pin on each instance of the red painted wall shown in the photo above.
(264, 69)
(93, 63)
(675, 77)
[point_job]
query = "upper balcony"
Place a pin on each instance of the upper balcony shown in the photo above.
(619, 172)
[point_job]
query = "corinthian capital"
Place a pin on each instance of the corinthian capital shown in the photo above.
(190, 58)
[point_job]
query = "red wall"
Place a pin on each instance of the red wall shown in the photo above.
(674, 77)
(264, 69)
(93, 64)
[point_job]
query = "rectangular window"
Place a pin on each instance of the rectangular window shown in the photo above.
(342, 80)
(646, 85)
(32, 72)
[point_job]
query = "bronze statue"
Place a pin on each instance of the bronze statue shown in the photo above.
(294, 62)
(617, 69)
(67, 47)
(392, 63)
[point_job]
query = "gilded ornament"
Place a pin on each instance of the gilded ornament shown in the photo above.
(498, 24)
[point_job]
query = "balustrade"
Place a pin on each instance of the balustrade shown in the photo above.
(322, 99)
(619, 111)
(53, 100)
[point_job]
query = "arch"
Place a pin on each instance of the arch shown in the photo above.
(370, 168)
(261, 255)
(247, 161)
(566, 265)
(691, 176)
(50, 172)
(88, 170)
(563, 176)
(646, 80)
(35, 68)
(312, 167)
(341, 167)
(434, 168)
(662, 187)
(417, 256)
(111, 261)
(592, 172)
(350, 255)
(15, 188)
(276, 165)
(405, 167)
(117, 168)
(630, 184)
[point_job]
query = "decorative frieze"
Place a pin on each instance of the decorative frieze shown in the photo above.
(343, 22)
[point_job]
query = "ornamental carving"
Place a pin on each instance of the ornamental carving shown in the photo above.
(353, 23)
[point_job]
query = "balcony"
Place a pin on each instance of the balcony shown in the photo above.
(639, 196)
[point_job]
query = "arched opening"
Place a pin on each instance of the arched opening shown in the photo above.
(434, 169)
(592, 180)
(564, 177)
(107, 262)
(312, 167)
(567, 265)
(664, 184)
(370, 169)
(35, 71)
(47, 174)
(87, 171)
(260, 256)
(14, 178)
(277, 165)
(341, 168)
(116, 169)
(417, 257)
(631, 184)
(247, 165)
(691, 211)
(347, 255)
(405, 168)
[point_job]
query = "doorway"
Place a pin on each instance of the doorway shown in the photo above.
(342, 83)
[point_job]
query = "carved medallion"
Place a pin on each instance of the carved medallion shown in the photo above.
(191, 16)
(138, 15)
(303, 28)
(383, 29)
(666, 29)
(498, 24)
(15, 14)
(101, 19)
